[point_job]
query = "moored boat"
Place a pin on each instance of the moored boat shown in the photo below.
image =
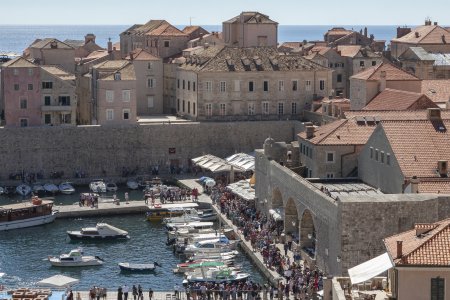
(158, 211)
(38, 189)
(51, 188)
(27, 214)
(101, 231)
(132, 184)
(132, 267)
(75, 258)
(111, 187)
(190, 225)
(23, 189)
(98, 186)
(66, 188)
(218, 276)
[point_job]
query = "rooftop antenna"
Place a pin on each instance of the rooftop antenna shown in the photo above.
(190, 20)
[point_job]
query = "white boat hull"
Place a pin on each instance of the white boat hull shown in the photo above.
(41, 220)
(85, 262)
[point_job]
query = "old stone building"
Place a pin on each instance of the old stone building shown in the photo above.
(250, 29)
(257, 83)
(426, 65)
(339, 36)
(431, 37)
(50, 51)
(158, 37)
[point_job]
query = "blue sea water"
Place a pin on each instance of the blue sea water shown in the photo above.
(15, 38)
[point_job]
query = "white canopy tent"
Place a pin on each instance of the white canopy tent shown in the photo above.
(370, 268)
(58, 281)
(242, 161)
(242, 189)
(215, 164)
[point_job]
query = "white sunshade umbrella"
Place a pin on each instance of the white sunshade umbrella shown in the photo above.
(58, 281)
(210, 183)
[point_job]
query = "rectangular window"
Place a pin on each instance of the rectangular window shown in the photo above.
(30, 86)
(150, 101)
(184, 105)
(47, 119)
(193, 108)
(376, 154)
(47, 100)
(47, 85)
(64, 100)
(189, 85)
(193, 86)
(223, 109)
(166, 44)
(126, 95)
(150, 65)
(437, 288)
(361, 63)
(388, 159)
(109, 96)
(189, 107)
(330, 157)
(330, 175)
(208, 109)
(308, 85)
(382, 157)
(339, 78)
(16, 86)
(208, 86)
(294, 108)
(251, 86)
(223, 86)
(251, 109)
(374, 63)
(178, 104)
(330, 65)
(184, 84)
(178, 83)
(109, 114)
(280, 108)
(150, 82)
(281, 85)
(30, 72)
(23, 122)
(265, 108)
(237, 85)
(371, 152)
(23, 103)
(126, 114)
(322, 85)
(265, 86)
(294, 85)
(16, 72)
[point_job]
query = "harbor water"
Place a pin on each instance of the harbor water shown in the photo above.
(24, 252)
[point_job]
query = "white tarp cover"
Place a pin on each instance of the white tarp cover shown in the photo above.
(242, 189)
(242, 161)
(57, 281)
(215, 164)
(370, 268)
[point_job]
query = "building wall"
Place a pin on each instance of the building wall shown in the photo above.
(118, 104)
(237, 100)
(246, 35)
(129, 42)
(335, 62)
(388, 178)
(93, 148)
(84, 105)
(397, 48)
(56, 108)
(143, 91)
(169, 87)
(65, 58)
(13, 112)
(361, 91)
(186, 94)
(415, 283)
(155, 45)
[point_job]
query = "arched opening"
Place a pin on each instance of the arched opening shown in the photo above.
(291, 220)
(277, 199)
(277, 211)
(308, 238)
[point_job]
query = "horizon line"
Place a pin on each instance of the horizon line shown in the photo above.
(216, 25)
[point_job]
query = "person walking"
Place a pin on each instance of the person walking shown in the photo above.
(134, 291)
(150, 294)
(125, 289)
(140, 293)
(127, 198)
(119, 293)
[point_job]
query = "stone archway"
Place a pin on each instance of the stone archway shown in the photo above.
(277, 199)
(308, 238)
(291, 219)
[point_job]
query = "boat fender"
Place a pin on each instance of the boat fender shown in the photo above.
(99, 258)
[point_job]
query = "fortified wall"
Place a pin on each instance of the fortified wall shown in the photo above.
(105, 151)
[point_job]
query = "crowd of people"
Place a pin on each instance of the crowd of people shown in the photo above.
(137, 292)
(225, 291)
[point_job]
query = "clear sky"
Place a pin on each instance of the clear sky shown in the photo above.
(177, 12)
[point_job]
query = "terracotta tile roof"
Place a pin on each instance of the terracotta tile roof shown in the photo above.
(256, 59)
(166, 29)
(418, 151)
(437, 90)
(321, 49)
(292, 45)
(141, 54)
(426, 34)
(349, 51)
(18, 62)
(428, 249)
(392, 73)
(190, 29)
(58, 72)
(47, 44)
(338, 31)
(111, 65)
(391, 99)
(126, 73)
(418, 115)
(341, 132)
(434, 185)
(252, 17)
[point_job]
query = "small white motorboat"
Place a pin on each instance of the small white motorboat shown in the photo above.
(23, 189)
(98, 186)
(101, 231)
(66, 188)
(38, 188)
(75, 258)
(131, 267)
(132, 184)
(51, 188)
(111, 187)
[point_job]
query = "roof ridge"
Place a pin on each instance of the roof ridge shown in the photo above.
(344, 121)
(427, 240)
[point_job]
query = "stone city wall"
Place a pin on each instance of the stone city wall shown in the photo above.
(94, 149)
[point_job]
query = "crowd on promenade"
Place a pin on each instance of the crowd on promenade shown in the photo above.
(264, 233)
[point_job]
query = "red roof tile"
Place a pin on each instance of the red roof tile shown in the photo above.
(437, 90)
(426, 34)
(392, 73)
(390, 99)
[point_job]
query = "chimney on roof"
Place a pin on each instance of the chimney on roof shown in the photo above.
(131, 55)
(414, 185)
(442, 168)
(399, 249)
(110, 47)
(443, 39)
(435, 23)
(402, 31)
(382, 81)
(434, 114)
(89, 37)
(365, 31)
(417, 34)
(309, 132)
